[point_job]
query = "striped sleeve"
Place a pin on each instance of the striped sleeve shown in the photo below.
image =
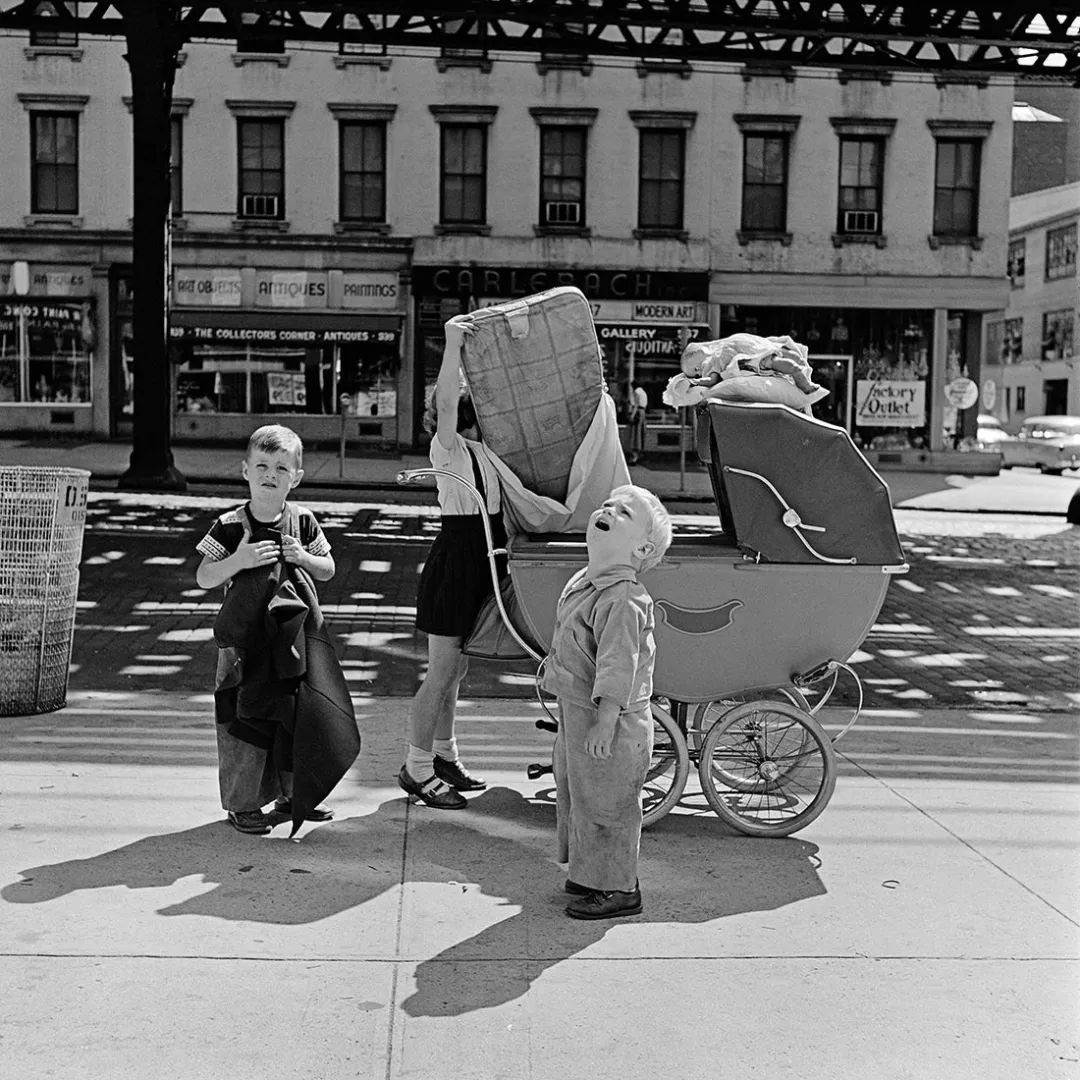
(311, 535)
(223, 538)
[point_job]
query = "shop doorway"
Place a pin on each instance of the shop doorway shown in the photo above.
(836, 373)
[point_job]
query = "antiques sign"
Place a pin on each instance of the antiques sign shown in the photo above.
(890, 403)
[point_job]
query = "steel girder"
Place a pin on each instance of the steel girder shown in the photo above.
(1026, 37)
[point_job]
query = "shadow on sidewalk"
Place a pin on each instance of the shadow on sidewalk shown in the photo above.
(691, 873)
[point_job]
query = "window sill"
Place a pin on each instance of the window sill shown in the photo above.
(562, 230)
(973, 242)
(681, 68)
(348, 60)
(661, 234)
(260, 225)
(463, 229)
(73, 52)
(843, 239)
(747, 236)
(372, 228)
(483, 63)
(240, 59)
(53, 221)
(564, 63)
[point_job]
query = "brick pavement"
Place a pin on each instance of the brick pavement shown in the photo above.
(986, 617)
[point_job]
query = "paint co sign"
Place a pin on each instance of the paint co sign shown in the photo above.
(890, 403)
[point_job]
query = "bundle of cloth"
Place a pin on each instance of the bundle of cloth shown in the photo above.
(745, 367)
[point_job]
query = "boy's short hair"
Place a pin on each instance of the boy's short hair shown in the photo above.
(271, 438)
(659, 531)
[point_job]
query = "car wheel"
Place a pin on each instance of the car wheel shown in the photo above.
(1051, 472)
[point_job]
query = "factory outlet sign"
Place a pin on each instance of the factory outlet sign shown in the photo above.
(515, 281)
(890, 403)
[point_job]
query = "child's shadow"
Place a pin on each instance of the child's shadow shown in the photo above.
(336, 867)
(693, 871)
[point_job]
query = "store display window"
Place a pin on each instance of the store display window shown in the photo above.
(254, 377)
(45, 351)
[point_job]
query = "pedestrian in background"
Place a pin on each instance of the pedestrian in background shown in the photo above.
(636, 406)
(455, 582)
(255, 708)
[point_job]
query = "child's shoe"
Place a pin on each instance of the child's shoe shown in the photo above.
(432, 792)
(605, 905)
(254, 822)
(456, 775)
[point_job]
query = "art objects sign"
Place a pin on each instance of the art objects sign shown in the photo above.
(890, 402)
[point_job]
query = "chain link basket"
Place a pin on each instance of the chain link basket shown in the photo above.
(42, 517)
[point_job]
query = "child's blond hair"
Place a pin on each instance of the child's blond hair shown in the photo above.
(271, 438)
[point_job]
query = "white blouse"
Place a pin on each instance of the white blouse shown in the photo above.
(453, 498)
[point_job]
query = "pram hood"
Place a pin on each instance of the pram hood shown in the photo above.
(794, 489)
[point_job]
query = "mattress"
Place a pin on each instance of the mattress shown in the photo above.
(534, 369)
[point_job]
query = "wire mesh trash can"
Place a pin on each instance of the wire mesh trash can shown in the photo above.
(42, 517)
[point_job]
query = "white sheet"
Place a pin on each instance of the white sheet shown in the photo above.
(598, 466)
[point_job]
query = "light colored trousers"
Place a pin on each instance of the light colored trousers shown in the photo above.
(598, 807)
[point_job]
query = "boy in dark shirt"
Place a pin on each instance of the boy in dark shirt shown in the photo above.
(250, 537)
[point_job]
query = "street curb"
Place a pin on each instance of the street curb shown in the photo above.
(110, 483)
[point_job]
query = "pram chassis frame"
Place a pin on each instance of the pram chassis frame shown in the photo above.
(675, 722)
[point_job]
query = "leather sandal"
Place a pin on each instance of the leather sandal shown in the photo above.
(320, 813)
(605, 905)
(432, 792)
(253, 822)
(456, 775)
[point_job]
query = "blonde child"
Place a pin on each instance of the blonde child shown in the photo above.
(600, 667)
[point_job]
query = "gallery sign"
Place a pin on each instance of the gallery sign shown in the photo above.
(890, 402)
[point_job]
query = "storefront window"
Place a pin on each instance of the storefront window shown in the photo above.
(878, 358)
(277, 378)
(45, 348)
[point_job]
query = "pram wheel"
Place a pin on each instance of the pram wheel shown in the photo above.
(767, 768)
(668, 769)
(708, 712)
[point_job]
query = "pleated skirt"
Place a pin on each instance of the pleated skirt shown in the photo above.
(456, 579)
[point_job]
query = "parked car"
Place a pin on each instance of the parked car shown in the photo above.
(991, 433)
(1049, 443)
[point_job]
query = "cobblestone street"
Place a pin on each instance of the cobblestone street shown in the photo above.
(986, 617)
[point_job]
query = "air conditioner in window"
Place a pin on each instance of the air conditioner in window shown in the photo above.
(562, 213)
(259, 206)
(860, 221)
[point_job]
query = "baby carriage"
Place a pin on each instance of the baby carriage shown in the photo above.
(753, 619)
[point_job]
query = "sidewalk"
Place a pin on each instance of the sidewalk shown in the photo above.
(1019, 491)
(924, 927)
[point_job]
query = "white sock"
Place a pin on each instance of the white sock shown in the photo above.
(418, 763)
(446, 748)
